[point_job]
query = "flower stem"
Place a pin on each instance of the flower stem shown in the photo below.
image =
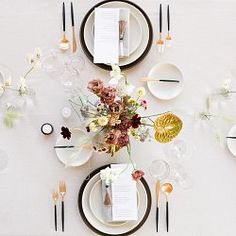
(28, 72)
(155, 115)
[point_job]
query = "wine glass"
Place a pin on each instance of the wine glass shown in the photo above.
(179, 150)
(180, 176)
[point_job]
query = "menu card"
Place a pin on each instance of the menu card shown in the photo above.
(106, 35)
(124, 195)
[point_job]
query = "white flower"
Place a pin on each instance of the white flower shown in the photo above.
(102, 121)
(22, 85)
(34, 59)
(38, 53)
(7, 83)
(1, 90)
(141, 92)
(30, 58)
(116, 71)
(93, 127)
(124, 88)
(109, 175)
(116, 75)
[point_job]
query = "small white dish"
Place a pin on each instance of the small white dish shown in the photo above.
(165, 90)
(231, 143)
(77, 156)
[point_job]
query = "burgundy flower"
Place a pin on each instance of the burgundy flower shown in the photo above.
(108, 95)
(136, 121)
(111, 137)
(137, 175)
(123, 139)
(96, 86)
(65, 132)
(124, 125)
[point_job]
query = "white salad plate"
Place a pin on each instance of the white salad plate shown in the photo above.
(74, 156)
(165, 90)
(231, 143)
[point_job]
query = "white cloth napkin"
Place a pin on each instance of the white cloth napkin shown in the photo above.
(123, 193)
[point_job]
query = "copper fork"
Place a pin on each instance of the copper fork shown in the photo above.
(160, 41)
(55, 197)
(62, 191)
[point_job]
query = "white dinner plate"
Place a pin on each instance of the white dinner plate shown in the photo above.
(141, 33)
(135, 34)
(231, 143)
(74, 156)
(93, 217)
(165, 90)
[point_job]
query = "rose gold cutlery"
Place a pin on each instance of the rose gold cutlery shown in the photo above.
(168, 37)
(62, 192)
(160, 41)
(167, 189)
(74, 43)
(55, 197)
(147, 79)
(158, 186)
(64, 43)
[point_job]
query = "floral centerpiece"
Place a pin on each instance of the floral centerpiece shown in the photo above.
(112, 116)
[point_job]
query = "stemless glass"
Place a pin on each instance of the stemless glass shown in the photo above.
(52, 64)
(159, 169)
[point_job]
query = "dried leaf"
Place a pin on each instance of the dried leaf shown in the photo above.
(167, 127)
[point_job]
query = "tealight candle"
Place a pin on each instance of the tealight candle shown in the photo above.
(66, 112)
(46, 129)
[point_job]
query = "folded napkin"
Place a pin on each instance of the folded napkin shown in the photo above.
(111, 34)
(124, 28)
(123, 195)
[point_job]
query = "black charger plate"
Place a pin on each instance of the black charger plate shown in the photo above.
(123, 67)
(86, 221)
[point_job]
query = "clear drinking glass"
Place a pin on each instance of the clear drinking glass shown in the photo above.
(179, 150)
(180, 176)
(159, 169)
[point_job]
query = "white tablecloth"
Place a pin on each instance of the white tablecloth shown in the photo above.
(204, 47)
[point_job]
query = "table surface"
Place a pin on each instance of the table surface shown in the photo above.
(203, 47)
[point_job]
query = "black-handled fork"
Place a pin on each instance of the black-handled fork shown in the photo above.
(62, 191)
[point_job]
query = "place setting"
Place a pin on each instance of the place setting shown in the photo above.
(116, 32)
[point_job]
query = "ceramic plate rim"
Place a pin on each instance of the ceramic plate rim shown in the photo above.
(135, 61)
(137, 227)
(232, 129)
